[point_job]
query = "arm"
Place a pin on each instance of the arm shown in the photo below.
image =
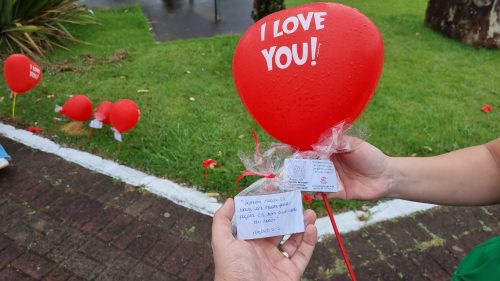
(469, 176)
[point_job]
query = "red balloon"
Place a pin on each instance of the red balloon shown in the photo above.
(300, 71)
(124, 115)
(102, 112)
(78, 108)
(21, 74)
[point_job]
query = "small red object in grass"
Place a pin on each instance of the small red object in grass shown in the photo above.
(308, 198)
(487, 108)
(209, 163)
(35, 130)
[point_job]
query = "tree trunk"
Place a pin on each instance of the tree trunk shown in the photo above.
(473, 22)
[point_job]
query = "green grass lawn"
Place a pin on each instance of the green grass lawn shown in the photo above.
(428, 100)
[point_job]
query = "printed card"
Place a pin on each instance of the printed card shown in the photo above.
(269, 215)
(310, 175)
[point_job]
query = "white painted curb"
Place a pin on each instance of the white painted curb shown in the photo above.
(187, 197)
(191, 198)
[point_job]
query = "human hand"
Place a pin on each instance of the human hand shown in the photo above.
(363, 172)
(259, 259)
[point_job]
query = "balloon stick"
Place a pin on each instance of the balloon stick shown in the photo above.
(206, 176)
(91, 132)
(339, 239)
(14, 105)
(119, 148)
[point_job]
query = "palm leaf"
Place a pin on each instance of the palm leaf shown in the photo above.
(35, 27)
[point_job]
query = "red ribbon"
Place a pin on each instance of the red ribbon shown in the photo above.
(252, 173)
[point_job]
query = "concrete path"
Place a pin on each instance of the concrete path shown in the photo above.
(59, 221)
(182, 19)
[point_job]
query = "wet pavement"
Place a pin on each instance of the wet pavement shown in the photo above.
(182, 19)
(60, 221)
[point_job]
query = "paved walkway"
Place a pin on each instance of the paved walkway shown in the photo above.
(182, 19)
(60, 221)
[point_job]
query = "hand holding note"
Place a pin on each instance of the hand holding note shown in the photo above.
(259, 259)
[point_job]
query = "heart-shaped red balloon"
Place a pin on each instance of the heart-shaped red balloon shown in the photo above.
(303, 70)
(124, 115)
(102, 112)
(21, 74)
(78, 108)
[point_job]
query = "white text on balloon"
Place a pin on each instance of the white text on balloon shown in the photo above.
(291, 24)
(283, 56)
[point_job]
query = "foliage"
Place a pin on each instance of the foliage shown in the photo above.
(34, 27)
(262, 8)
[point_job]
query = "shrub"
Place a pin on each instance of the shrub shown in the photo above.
(35, 27)
(262, 8)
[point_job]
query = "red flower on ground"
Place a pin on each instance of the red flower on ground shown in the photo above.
(308, 198)
(35, 130)
(487, 108)
(209, 163)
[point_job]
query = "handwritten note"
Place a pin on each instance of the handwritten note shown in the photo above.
(269, 215)
(310, 175)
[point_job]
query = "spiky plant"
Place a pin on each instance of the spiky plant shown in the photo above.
(35, 27)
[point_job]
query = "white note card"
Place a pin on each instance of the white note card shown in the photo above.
(118, 136)
(269, 215)
(310, 175)
(96, 124)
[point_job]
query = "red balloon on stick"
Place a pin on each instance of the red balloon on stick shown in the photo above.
(21, 73)
(77, 108)
(102, 112)
(124, 115)
(300, 71)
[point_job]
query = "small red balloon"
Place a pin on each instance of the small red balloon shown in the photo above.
(21, 73)
(124, 115)
(78, 108)
(303, 70)
(102, 112)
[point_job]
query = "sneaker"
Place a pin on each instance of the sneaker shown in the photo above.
(3, 163)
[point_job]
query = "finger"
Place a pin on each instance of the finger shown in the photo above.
(304, 252)
(294, 241)
(221, 225)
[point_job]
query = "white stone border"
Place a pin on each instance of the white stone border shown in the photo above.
(194, 199)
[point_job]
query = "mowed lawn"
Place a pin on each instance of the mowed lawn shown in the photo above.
(428, 100)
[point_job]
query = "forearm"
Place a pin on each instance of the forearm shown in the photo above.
(469, 176)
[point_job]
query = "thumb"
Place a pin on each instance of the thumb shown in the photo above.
(221, 225)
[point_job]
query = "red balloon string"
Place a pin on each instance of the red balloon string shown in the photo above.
(256, 141)
(252, 173)
(339, 238)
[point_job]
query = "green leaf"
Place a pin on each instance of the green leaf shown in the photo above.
(24, 28)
